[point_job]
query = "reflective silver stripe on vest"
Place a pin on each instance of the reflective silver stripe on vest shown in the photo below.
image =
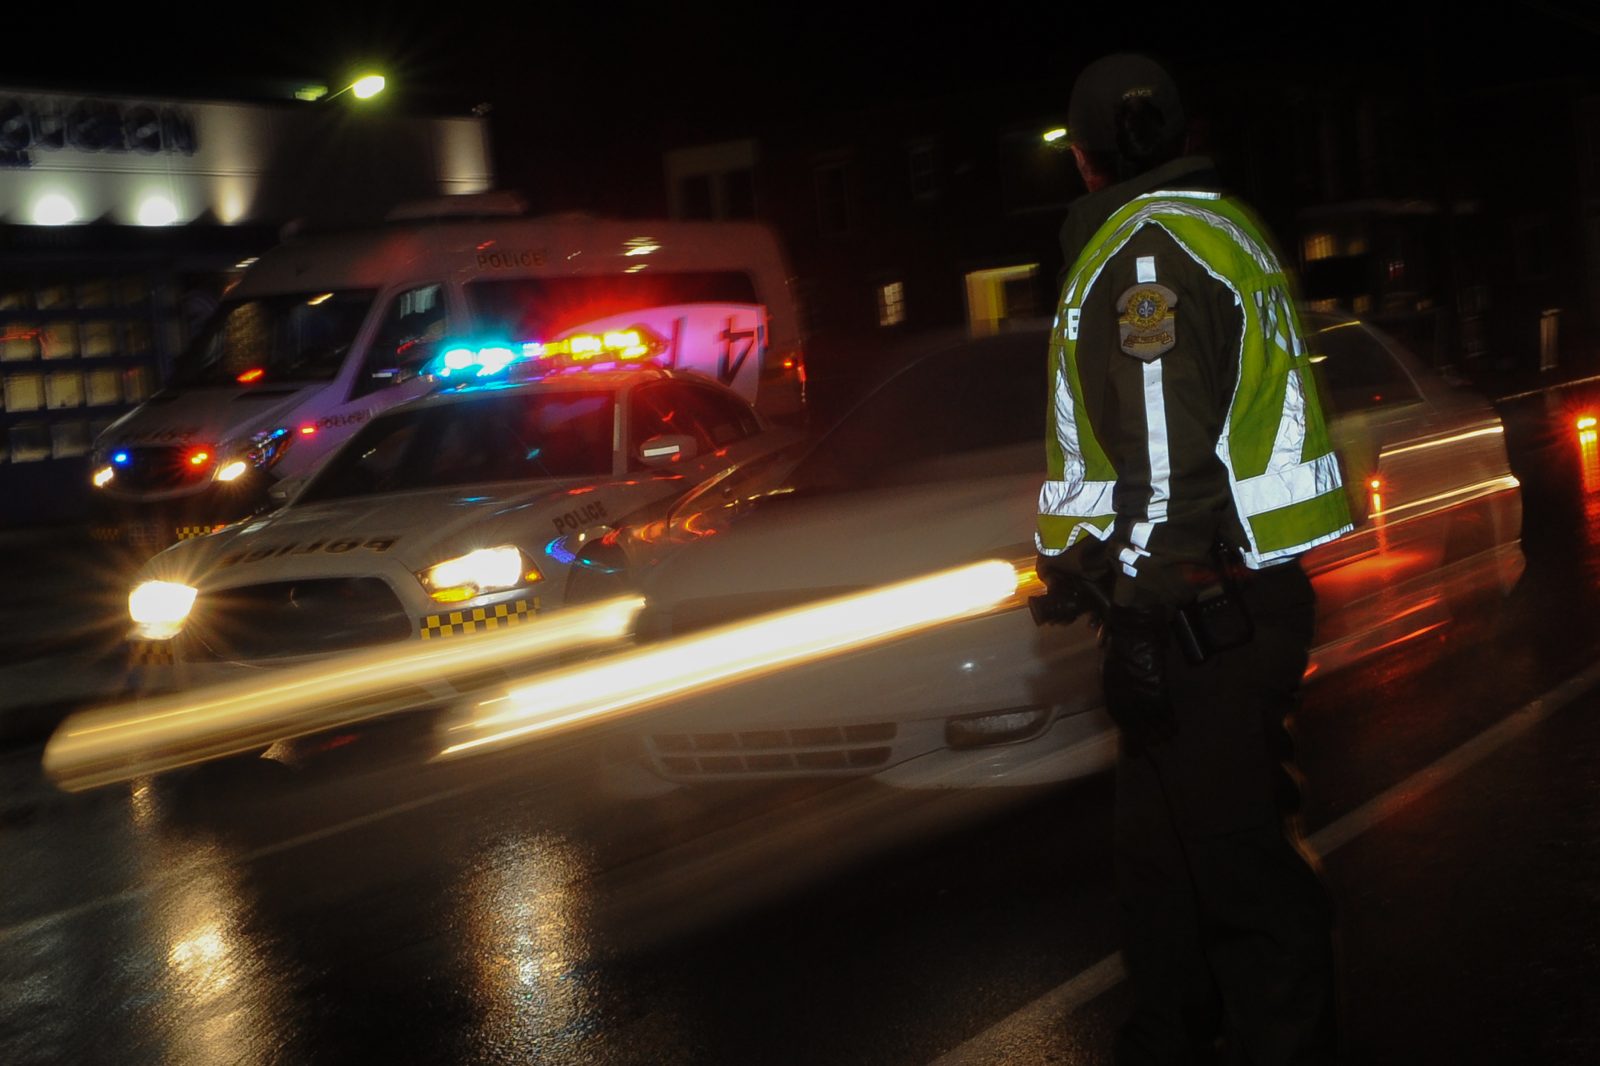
(1264, 259)
(1155, 418)
(1290, 442)
(1279, 488)
(1073, 468)
(1076, 499)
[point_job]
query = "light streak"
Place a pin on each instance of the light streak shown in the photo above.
(1462, 495)
(119, 742)
(648, 675)
(1487, 431)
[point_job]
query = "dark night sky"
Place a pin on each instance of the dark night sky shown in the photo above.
(588, 77)
(720, 60)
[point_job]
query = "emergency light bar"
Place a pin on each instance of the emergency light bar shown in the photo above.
(620, 347)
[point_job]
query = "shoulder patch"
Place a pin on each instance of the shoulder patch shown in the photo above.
(1149, 322)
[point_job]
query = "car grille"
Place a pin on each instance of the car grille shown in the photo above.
(150, 468)
(849, 749)
(297, 618)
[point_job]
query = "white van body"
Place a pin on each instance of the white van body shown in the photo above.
(326, 330)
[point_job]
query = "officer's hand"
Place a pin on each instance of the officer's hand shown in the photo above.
(1137, 640)
(1068, 594)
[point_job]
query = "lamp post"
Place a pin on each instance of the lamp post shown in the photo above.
(363, 88)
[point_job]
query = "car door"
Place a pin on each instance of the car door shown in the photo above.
(1417, 472)
(671, 408)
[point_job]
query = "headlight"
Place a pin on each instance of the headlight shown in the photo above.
(485, 570)
(159, 608)
(265, 449)
(232, 471)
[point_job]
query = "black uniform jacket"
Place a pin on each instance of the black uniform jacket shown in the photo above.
(1153, 559)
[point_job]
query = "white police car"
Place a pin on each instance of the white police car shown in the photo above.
(464, 511)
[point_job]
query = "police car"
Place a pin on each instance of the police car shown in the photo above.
(464, 511)
(328, 330)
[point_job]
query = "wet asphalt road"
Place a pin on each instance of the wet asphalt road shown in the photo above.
(368, 907)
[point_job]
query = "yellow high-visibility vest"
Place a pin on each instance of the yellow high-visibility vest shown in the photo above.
(1281, 465)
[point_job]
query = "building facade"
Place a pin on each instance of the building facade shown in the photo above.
(121, 221)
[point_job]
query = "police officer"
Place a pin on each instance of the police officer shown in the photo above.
(1189, 467)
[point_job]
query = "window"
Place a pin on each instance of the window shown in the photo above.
(658, 410)
(484, 439)
(1356, 371)
(290, 337)
(29, 442)
(938, 409)
(64, 388)
(723, 418)
(891, 304)
(1319, 246)
(24, 392)
(414, 322)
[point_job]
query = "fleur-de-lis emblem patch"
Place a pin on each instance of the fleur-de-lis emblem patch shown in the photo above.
(1149, 322)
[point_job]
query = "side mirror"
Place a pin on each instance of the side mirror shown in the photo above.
(409, 362)
(667, 448)
(393, 376)
(281, 492)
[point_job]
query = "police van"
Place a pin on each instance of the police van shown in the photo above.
(327, 330)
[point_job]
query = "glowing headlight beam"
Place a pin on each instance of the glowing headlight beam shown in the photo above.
(159, 608)
(634, 679)
(119, 742)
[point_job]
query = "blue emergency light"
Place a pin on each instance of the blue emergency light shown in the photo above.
(120, 458)
(469, 362)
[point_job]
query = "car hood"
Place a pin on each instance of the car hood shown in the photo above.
(356, 536)
(206, 416)
(795, 547)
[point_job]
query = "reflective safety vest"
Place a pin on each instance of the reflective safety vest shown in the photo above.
(1274, 444)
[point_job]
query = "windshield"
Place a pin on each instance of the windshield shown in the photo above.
(507, 437)
(301, 336)
(542, 308)
(968, 399)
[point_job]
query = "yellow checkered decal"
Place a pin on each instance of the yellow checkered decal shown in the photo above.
(105, 532)
(478, 619)
(150, 653)
(186, 532)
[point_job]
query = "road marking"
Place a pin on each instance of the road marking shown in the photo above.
(1018, 1037)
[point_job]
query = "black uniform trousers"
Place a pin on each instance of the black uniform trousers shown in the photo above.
(1227, 928)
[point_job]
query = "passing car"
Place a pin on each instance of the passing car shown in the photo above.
(458, 513)
(941, 466)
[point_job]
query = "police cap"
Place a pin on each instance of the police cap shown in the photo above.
(1108, 89)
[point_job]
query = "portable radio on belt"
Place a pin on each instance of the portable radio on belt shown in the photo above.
(1217, 619)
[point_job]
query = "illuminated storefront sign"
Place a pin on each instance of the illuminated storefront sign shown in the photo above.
(32, 124)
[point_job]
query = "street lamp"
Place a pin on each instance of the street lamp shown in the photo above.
(363, 88)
